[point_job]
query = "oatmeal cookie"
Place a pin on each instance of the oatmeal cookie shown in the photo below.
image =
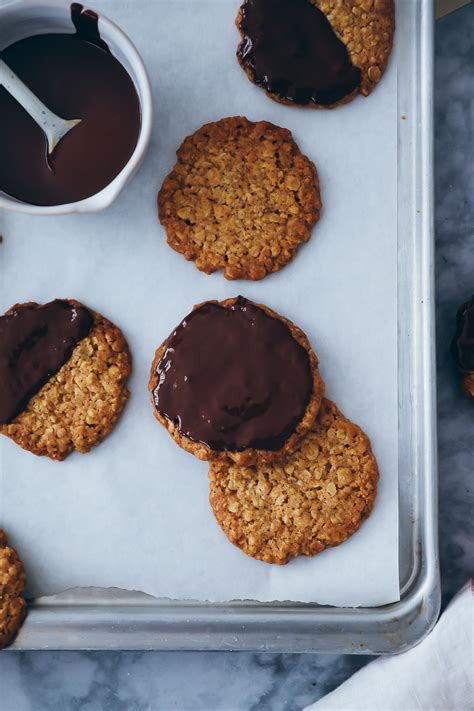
(236, 381)
(242, 198)
(315, 53)
(78, 406)
(312, 499)
(12, 585)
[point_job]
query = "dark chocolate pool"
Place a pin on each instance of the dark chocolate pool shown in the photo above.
(76, 76)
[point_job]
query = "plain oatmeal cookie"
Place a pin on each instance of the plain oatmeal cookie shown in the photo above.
(79, 405)
(12, 585)
(241, 198)
(315, 498)
(365, 27)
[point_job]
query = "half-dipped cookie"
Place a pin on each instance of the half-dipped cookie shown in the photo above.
(463, 345)
(315, 53)
(12, 585)
(63, 373)
(235, 380)
(310, 500)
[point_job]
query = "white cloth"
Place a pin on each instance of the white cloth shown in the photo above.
(437, 675)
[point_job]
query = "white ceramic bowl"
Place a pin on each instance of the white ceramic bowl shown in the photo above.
(25, 18)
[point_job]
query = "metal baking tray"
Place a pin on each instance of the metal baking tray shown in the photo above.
(114, 619)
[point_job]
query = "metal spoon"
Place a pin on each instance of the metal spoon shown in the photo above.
(54, 127)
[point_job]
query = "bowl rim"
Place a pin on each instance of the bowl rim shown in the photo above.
(110, 192)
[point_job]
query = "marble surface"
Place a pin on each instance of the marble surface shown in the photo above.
(47, 681)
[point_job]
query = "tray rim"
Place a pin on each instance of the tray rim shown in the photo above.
(150, 624)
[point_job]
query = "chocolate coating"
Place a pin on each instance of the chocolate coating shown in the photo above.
(35, 341)
(292, 51)
(463, 345)
(234, 378)
(76, 76)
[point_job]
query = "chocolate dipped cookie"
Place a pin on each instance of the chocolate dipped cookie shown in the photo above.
(463, 345)
(63, 373)
(315, 53)
(237, 381)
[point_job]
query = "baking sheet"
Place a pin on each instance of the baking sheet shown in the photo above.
(134, 512)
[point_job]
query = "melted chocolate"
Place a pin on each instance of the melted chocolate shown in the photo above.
(76, 77)
(292, 50)
(86, 23)
(35, 341)
(463, 345)
(234, 378)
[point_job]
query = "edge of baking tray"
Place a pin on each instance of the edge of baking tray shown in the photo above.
(94, 619)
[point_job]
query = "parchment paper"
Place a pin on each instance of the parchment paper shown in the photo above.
(134, 513)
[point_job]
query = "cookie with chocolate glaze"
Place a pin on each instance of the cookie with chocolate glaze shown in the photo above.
(313, 499)
(315, 53)
(242, 198)
(12, 585)
(63, 373)
(236, 381)
(463, 345)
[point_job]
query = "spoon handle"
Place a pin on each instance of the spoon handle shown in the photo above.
(52, 125)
